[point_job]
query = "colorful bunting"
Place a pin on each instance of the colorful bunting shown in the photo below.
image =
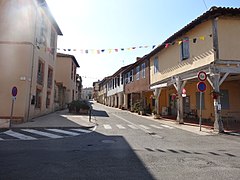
(100, 51)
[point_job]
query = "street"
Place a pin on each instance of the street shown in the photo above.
(123, 146)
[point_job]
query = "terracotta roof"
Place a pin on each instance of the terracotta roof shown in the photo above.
(69, 56)
(212, 13)
(45, 7)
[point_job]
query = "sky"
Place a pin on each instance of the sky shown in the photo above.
(120, 24)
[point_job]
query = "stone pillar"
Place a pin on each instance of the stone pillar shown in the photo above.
(179, 86)
(157, 93)
(218, 124)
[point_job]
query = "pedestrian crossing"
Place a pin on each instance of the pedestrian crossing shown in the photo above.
(44, 133)
(136, 126)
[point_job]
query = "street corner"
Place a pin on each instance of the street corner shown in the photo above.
(4, 124)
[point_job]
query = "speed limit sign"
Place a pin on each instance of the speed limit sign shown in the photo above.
(202, 76)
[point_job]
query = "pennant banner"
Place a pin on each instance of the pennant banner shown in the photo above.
(115, 50)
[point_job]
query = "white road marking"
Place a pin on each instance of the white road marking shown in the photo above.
(166, 126)
(54, 136)
(81, 130)
(145, 127)
(132, 126)
(64, 132)
(106, 126)
(19, 135)
(120, 126)
(146, 131)
(158, 127)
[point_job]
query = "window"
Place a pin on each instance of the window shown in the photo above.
(72, 71)
(43, 30)
(48, 99)
(156, 68)
(143, 71)
(198, 100)
(50, 77)
(185, 49)
(121, 78)
(38, 98)
(40, 72)
(131, 75)
(224, 99)
(53, 41)
(137, 72)
(126, 78)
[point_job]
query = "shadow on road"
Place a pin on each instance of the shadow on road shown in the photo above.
(96, 156)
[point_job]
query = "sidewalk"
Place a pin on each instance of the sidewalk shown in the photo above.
(59, 119)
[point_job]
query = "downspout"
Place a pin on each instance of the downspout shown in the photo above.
(31, 79)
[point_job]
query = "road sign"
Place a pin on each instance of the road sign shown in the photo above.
(201, 86)
(14, 91)
(202, 76)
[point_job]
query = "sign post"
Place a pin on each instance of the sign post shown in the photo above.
(202, 76)
(14, 94)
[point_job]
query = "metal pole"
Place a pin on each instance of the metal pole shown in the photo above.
(200, 115)
(10, 122)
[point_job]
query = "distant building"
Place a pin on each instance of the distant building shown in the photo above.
(67, 81)
(87, 93)
(96, 90)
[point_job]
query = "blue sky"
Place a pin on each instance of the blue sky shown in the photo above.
(116, 24)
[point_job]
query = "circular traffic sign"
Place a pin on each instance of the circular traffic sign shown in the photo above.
(14, 91)
(201, 86)
(202, 76)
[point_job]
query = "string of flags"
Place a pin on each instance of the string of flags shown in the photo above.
(115, 50)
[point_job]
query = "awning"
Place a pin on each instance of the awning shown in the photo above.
(159, 86)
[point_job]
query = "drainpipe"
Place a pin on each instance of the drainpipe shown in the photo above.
(32, 67)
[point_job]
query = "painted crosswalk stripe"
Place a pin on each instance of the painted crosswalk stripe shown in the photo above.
(166, 126)
(132, 126)
(158, 127)
(41, 133)
(120, 126)
(145, 127)
(106, 126)
(81, 130)
(64, 132)
(19, 135)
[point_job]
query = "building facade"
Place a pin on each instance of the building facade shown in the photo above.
(136, 88)
(67, 80)
(209, 44)
(27, 58)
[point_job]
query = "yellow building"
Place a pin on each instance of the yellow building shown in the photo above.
(28, 42)
(66, 80)
(210, 44)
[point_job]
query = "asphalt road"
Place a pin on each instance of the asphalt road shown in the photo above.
(123, 146)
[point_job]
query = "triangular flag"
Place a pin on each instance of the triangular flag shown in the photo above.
(109, 50)
(133, 47)
(116, 50)
(86, 51)
(166, 45)
(153, 46)
(179, 42)
(98, 51)
(103, 50)
(122, 49)
(194, 40)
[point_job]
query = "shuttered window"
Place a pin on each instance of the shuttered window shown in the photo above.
(185, 49)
